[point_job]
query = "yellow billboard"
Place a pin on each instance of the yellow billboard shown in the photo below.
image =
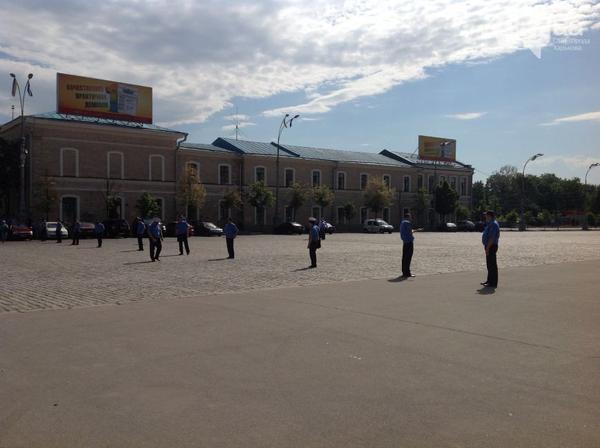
(79, 95)
(437, 148)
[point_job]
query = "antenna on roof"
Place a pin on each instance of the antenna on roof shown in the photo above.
(237, 123)
(416, 149)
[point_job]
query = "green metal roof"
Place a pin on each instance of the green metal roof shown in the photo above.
(413, 159)
(339, 155)
(248, 147)
(204, 147)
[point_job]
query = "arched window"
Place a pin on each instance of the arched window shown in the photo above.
(260, 174)
(195, 166)
(69, 162)
(69, 208)
(156, 167)
(316, 178)
(115, 168)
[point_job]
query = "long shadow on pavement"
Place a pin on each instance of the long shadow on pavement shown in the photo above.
(137, 262)
(398, 279)
(486, 291)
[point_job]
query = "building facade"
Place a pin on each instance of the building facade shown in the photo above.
(75, 164)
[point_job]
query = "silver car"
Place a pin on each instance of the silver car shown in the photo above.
(377, 226)
(50, 230)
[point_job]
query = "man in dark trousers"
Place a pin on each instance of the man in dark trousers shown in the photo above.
(230, 232)
(155, 236)
(406, 234)
(76, 233)
(314, 241)
(58, 231)
(99, 231)
(140, 229)
(489, 238)
(181, 231)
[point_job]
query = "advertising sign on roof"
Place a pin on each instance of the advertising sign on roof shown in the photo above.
(437, 148)
(79, 95)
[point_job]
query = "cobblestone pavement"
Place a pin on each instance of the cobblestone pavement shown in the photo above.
(45, 275)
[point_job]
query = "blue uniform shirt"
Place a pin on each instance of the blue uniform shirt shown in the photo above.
(155, 230)
(406, 231)
(140, 228)
(99, 229)
(314, 233)
(181, 228)
(491, 233)
(230, 230)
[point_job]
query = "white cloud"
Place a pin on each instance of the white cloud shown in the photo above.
(240, 125)
(575, 161)
(588, 116)
(467, 115)
(198, 56)
(237, 117)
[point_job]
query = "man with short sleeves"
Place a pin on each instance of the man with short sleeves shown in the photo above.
(489, 238)
(155, 236)
(181, 231)
(314, 241)
(406, 234)
(231, 232)
(99, 231)
(140, 229)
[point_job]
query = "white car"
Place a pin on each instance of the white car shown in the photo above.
(377, 226)
(50, 231)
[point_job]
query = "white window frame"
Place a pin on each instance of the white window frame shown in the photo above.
(432, 183)
(337, 177)
(230, 173)
(312, 179)
(62, 155)
(285, 209)
(221, 217)
(389, 214)
(256, 216)
(108, 154)
(360, 214)
(344, 218)
(77, 207)
(162, 166)
(293, 177)
(162, 206)
(422, 177)
(360, 181)
(466, 186)
(312, 210)
(389, 176)
(404, 190)
(255, 173)
(455, 182)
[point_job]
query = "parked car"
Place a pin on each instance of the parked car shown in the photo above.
(20, 232)
(479, 226)
(172, 226)
(447, 227)
(465, 226)
(377, 226)
(327, 227)
(203, 228)
(115, 228)
(87, 229)
(289, 228)
(50, 231)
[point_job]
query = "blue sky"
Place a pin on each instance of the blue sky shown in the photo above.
(363, 75)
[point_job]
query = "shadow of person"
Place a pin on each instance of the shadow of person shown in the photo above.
(302, 269)
(486, 290)
(398, 279)
(218, 259)
(137, 262)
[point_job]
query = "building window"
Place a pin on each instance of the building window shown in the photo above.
(289, 214)
(69, 162)
(224, 211)
(290, 177)
(387, 181)
(386, 214)
(316, 178)
(260, 174)
(463, 186)
(316, 212)
(341, 215)
(156, 170)
(224, 174)
(114, 165)
(442, 180)
(431, 180)
(161, 205)
(363, 214)
(364, 180)
(341, 180)
(406, 184)
(453, 183)
(419, 181)
(260, 216)
(193, 167)
(69, 209)
(405, 211)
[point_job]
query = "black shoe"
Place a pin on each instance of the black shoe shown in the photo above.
(157, 259)
(312, 266)
(152, 259)
(187, 253)
(484, 284)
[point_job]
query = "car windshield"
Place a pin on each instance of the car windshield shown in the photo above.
(381, 222)
(51, 225)
(210, 225)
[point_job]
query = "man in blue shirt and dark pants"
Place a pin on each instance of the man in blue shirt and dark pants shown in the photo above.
(231, 232)
(314, 241)
(155, 236)
(406, 234)
(99, 231)
(181, 231)
(490, 237)
(140, 228)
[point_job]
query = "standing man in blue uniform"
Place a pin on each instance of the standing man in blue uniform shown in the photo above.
(155, 236)
(99, 231)
(140, 228)
(490, 237)
(76, 232)
(181, 231)
(58, 231)
(314, 241)
(231, 232)
(406, 234)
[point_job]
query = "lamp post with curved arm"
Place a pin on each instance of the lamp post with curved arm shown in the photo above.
(522, 214)
(585, 221)
(286, 122)
(16, 89)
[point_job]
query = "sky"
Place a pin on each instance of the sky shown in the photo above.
(506, 79)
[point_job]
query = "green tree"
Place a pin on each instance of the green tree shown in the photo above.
(298, 197)
(233, 199)
(422, 204)
(462, 212)
(378, 195)
(323, 196)
(147, 206)
(479, 195)
(260, 197)
(9, 175)
(45, 195)
(190, 192)
(349, 210)
(446, 200)
(511, 218)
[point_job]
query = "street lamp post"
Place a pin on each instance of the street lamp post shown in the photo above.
(522, 214)
(16, 89)
(285, 123)
(585, 221)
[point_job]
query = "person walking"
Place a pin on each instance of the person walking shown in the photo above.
(489, 238)
(99, 231)
(155, 236)
(314, 241)
(59, 228)
(181, 231)
(230, 232)
(406, 234)
(3, 231)
(76, 232)
(140, 229)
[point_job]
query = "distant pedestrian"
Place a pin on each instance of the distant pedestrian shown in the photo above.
(181, 231)
(155, 236)
(322, 228)
(99, 231)
(489, 238)
(406, 234)
(3, 231)
(140, 229)
(76, 232)
(231, 232)
(314, 241)
(59, 228)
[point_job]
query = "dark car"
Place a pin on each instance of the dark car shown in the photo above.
(465, 226)
(289, 228)
(20, 232)
(447, 227)
(204, 228)
(171, 229)
(115, 228)
(87, 229)
(479, 226)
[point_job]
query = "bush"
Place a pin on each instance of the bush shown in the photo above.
(511, 218)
